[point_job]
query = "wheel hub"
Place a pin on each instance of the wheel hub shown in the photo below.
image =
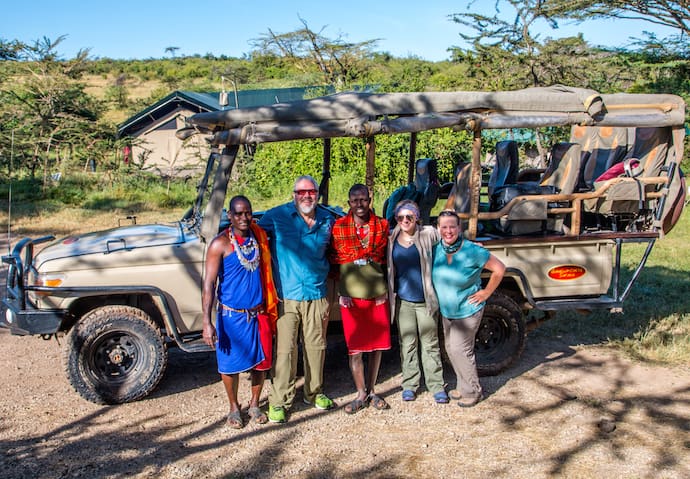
(117, 355)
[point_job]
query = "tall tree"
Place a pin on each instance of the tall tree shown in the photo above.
(10, 50)
(506, 54)
(48, 101)
(661, 12)
(336, 60)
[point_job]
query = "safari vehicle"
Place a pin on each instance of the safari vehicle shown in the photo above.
(122, 297)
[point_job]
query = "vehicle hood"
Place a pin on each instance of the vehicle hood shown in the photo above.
(108, 241)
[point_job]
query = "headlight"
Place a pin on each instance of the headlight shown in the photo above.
(9, 316)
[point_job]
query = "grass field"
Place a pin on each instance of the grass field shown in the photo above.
(654, 325)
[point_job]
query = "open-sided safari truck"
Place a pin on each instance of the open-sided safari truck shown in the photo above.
(123, 296)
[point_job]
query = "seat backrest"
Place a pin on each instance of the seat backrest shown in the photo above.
(564, 167)
(602, 147)
(460, 194)
(507, 165)
(426, 182)
(651, 147)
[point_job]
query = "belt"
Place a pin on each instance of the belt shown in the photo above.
(251, 312)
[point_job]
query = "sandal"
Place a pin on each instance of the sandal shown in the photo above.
(234, 420)
(355, 406)
(257, 416)
(377, 402)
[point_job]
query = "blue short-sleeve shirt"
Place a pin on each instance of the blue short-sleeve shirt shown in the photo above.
(454, 282)
(299, 252)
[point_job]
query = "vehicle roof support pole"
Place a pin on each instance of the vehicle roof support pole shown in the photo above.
(413, 155)
(211, 223)
(326, 172)
(370, 149)
(475, 183)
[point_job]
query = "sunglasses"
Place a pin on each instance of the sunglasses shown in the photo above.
(311, 192)
(406, 217)
(448, 213)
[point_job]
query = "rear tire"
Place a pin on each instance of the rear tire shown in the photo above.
(115, 354)
(501, 336)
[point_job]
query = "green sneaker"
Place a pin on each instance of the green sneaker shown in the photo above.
(277, 414)
(321, 401)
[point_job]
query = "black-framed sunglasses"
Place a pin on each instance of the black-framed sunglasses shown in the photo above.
(401, 218)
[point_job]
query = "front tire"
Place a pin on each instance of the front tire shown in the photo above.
(500, 339)
(115, 354)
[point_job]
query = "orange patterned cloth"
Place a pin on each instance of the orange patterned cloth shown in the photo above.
(269, 288)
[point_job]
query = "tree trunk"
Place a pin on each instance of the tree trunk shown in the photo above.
(45, 164)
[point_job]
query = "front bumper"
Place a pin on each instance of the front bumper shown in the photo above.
(24, 322)
(18, 314)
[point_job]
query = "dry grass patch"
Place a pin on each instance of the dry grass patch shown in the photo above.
(69, 221)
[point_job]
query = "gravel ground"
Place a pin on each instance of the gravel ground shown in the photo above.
(563, 410)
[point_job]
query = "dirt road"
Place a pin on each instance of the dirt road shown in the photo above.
(548, 416)
(563, 411)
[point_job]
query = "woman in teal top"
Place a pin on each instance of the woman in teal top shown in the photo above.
(456, 275)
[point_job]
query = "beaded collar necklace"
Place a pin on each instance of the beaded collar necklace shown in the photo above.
(247, 252)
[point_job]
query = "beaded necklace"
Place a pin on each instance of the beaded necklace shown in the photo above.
(247, 252)
(362, 232)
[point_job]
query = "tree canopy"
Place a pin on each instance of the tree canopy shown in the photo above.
(671, 14)
(59, 113)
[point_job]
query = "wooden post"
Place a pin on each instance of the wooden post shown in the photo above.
(475, 183)
(413, 155)
(370, 149)
(326, 172)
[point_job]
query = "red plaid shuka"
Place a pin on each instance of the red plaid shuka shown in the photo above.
(346, 246)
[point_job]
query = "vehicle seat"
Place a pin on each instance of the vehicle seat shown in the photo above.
(507, 165)
(428, 187)
(529, 217)
(424, 191)
(602, 147)
(459, 197)
(651, 148)
(563, 170)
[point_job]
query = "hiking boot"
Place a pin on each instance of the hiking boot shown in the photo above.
(469, 401)
(321, 401)
(277, 414)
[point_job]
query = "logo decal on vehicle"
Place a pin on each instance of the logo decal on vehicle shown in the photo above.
(566, 272)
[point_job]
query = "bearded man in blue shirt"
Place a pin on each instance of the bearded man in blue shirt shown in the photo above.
(299, 233)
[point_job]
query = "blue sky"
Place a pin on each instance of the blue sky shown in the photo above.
(129, 29)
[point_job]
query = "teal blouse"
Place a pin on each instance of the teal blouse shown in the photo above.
(454, 282)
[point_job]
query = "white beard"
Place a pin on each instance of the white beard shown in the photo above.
(306, 209)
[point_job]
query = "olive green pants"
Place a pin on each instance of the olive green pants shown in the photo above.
(306, 321)
(418, 336)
